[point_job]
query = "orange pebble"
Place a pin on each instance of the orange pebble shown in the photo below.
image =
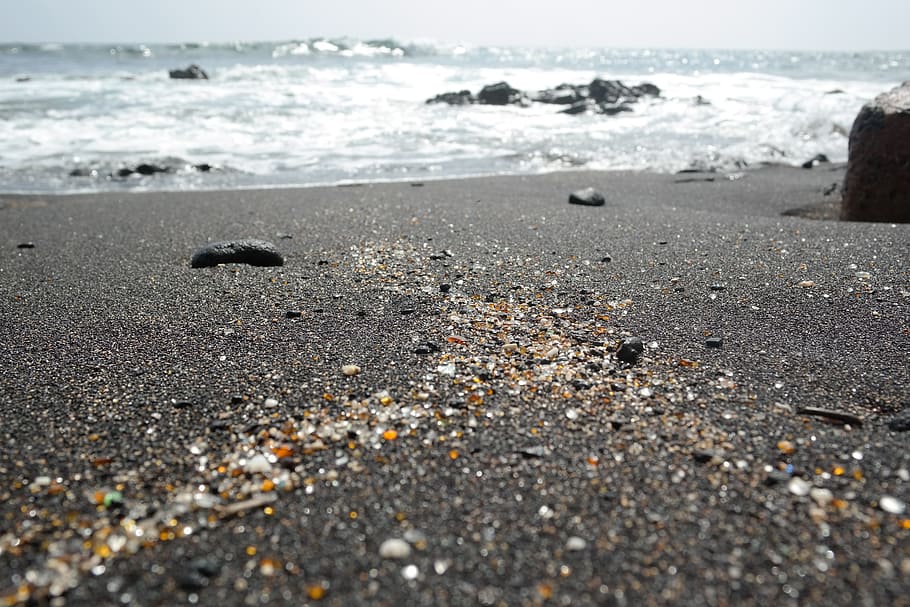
(390, 435)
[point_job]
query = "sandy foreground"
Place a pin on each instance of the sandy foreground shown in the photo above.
(424, 405)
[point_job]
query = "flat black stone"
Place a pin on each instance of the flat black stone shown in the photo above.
(251, 252)
(901, 423)
(26, 245)
(587, 197)
(630, 350)
(714, 342)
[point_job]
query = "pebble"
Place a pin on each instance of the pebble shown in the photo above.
(630, 350)
(350, 370)
(25, 245)
(251, 252)
(395, 548)
(892, 505)
(270, 403)
(587, 197)
(714, 342)
(293, 314)
(798, 486)
(258, 463)
(576, 543)
(900, 423)
(822, 497)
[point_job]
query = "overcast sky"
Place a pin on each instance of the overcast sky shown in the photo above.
(760, 24)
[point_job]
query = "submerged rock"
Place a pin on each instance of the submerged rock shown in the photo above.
(500, 94)
(250, 252)
(193, 72)
(457, 98)
(877, 184)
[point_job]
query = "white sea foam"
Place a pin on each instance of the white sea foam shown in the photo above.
(323, 111)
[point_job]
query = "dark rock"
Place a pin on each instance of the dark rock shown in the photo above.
(815, 161)
(579, 107)
(877, 184)
(445, 288)
(500, 94)
(718, 287)
(24, 79)
(25, 245)
(900, 423)
(564, 94)
(703, 456)
(83, 172)
(611, 109)
(834, 92)
(193, 72)
(630, 350)
(457, 98)
(606, 259)
(150, 169)
(203, 167)
(181, 404)
(293, 314)
(587, 197)
(426, 347)
(714, 342)
(124, 172)
(252, 252)
(776, 477)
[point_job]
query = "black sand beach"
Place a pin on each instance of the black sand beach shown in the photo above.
(174, 435)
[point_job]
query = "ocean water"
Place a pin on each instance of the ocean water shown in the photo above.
(333, 111)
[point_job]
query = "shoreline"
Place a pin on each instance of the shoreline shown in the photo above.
(491, 447)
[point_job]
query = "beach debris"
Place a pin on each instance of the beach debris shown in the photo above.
(191, 72)
(630, 350)
(877, 185)
(901, 422)
(251, 252)
(395, 548)
(587, 197)
(841, 417)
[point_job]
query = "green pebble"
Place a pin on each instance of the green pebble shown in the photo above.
(112, 497)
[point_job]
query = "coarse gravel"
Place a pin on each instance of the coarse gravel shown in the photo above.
(425, 406)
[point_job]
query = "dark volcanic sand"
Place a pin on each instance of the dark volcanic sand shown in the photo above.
(519, 464)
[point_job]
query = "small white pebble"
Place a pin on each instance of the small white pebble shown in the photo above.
(576, 543)
(350, 370)
(410, 572)
(510, 348)
(395, 548)
(257, 463)
(270, 403)
(892, 505)
(572, 414)
(798, 486)
(822, 497)
(806, 284)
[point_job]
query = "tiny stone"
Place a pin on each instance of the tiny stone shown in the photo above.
(395, 548)
(26, 245)
(822, 497)
(575, 543)
(798, 486)
(892, 505)
(426, 348)
(270, 403)
(293, 314)
(350, 370)
(445, 288)
(587, 197)
(606, 259)
(258, 463)
(714, 342)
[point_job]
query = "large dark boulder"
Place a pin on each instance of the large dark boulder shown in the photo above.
(193, 72)
(877, 184)
(500, 94)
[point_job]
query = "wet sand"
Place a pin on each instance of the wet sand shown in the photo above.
(174, 435)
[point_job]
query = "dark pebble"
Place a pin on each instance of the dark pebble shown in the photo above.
(714, 342)
(718, 287)
(630, 350)
(840, 417)
(181, 404)
(606, 259)
(25, 245)
(236, 399)
(426, 348)
(587, 197)
(445, 288)
(192, 581)
(405, 311)
(205, 566)
(901, 423)
(252, 252)
(293, 314)
(775, 477)
(703, 456)
(221, 424)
